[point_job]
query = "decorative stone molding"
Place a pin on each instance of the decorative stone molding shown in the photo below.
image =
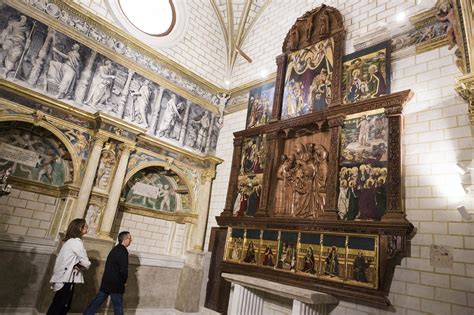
(465, 87)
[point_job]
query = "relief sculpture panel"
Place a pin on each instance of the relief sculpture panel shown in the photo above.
(44, 60)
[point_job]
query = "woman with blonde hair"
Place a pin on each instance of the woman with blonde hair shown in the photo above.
(71, 262)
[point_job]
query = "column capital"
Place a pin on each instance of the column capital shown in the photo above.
(127, 146)
(208, 175)
(336, 121)
(100, 138)
(394, 110)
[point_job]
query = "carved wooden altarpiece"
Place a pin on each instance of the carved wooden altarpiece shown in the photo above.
(315, 196)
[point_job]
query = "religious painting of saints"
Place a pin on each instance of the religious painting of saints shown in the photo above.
(268, 250)
(251, 246)
(249, 190)
(234, 245)
(34, 154)
(333, 257)
(362, 261)
(287, 251)
(253, 155)
(260, 105)
(363, 166)
(308, 253)
(151, 189)
(308, 80)
(366, 73)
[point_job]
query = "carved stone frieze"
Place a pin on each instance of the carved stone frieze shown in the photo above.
(63, 13)
(465, 87)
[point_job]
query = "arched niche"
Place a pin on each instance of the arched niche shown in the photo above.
(37, 152)
(156, 189)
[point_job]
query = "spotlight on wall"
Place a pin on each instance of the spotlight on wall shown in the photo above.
(227, 82)
(464, 213)
(401, 17)
(263, 73)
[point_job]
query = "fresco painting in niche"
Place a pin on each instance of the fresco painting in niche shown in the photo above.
(151, 189)
(308, 253)
(260, 105)
(235, 242)
(80, 140)
(49, 62)
(269, 249)
(251, 246)
(362, 260)
(35, 154)
(333, 257)
(363, 167)
(308, 79)
(250, 178)
(366, 73)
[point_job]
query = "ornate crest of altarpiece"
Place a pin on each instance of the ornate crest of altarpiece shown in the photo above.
(315, 196)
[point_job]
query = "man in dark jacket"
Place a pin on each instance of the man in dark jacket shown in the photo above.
(114, 278)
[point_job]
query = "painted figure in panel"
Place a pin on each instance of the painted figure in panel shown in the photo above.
(260, 105)
(365, 74)
(308, 80)
(332, 263)
(14, 40)
(65, 73)
(141, 102)
(101, 85)
(363, 171)
(170, 117)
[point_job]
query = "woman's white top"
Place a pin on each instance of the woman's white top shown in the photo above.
(72, 252)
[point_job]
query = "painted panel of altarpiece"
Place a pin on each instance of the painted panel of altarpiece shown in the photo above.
(250, 178)
(337, 257)
(234, 245)
(34, 154)
(251, 246)
(366, 73)
(260, 105)
(308, 79)
(49, 62)
(363, 167)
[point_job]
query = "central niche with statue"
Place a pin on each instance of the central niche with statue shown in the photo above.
(315, 197)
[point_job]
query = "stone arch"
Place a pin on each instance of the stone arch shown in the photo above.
(76, 161)
(166, 166)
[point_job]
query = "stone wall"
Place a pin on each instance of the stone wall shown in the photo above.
(26, 213)
(152, 236)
